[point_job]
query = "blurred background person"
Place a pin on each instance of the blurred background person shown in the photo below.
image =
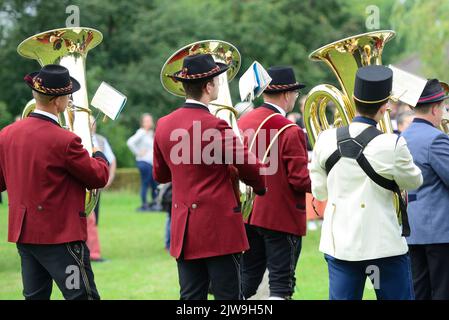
(93, 241)
(164, 200)
(296, 117)
(141, 145)
(397, 109)
(404, 119)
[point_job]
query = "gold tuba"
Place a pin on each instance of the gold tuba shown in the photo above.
(222, 107)
(67, 47)
(444, 126)
(344, 57)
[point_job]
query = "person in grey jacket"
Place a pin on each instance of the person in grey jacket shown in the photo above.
(428, 204)
(141, 145)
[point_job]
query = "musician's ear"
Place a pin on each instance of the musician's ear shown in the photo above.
(436, 107)
(209, 86)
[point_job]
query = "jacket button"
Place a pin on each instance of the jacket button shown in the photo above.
(194, 206)
(40, 208)
(176, 205)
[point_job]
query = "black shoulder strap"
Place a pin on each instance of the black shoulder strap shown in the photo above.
(350, 147)
(342, 133)
(353, 148)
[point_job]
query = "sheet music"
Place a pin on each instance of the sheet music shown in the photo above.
(108, 100)
(407, 87)
(253, 82)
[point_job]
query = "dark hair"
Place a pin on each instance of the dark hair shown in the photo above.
(194, 90)
(277, 93)
(424, 108)
(368, 109)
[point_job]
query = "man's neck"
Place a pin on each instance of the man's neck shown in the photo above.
(47, 109)
(284, 113)
(204, 100)
(277, 103)
(427, 118)
(376, 118)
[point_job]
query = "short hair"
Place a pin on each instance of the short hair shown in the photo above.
(194, 89)
(42, 98)
(274, 93)
(403, 115)
(425, 108)
(368, 109)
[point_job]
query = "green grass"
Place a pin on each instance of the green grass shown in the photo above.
(138, 266)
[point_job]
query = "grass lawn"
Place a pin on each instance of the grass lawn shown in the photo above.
(138, 266)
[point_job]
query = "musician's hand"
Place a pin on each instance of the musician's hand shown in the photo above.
(99, 154)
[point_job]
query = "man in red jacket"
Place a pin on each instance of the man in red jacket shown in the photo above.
(278, 220)
(193, 149)
(46, 171)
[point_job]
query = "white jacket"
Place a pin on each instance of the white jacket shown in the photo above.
(360, 221)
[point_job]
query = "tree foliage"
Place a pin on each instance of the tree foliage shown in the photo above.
(140, 35)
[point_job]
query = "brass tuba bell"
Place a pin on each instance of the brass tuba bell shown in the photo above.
(344, 57)
(67, 47)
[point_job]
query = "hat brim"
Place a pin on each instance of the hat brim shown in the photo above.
(432, 101)
(295, 86)
(222, 68)
(75, 86)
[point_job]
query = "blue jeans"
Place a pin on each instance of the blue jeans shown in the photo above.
(146, 177)
(391, 278)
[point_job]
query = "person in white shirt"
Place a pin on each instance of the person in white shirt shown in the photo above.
(141, 145)
(93, 241)
(360, 234)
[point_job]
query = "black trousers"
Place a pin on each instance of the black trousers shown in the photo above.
(430, 269)
(222, 272)
(277, 251)
(67, 264)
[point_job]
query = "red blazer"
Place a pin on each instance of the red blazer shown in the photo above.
(46, 171)
(283, 208)
(206, 220)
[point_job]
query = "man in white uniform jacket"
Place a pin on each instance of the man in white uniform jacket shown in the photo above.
(361, 234)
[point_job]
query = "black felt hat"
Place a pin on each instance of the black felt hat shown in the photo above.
(52, 80)
(433, 92)
(373, 84)
(282, 79)
(199, 67)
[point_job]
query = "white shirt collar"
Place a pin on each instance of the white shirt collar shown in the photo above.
(47, 114)
(196, 102)
(282, 111)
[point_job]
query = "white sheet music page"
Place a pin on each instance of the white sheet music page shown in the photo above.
(109, 100)
(253, 82)
(407, 87)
